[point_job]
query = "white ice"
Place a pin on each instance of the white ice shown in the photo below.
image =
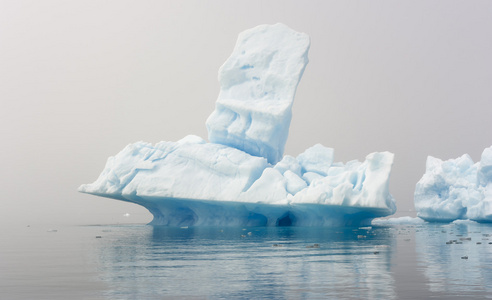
(212, 174)
(240, 177)
(456, 189)
(407, 220)
(257, 88)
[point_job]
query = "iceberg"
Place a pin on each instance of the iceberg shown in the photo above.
(240, 177)
(456, 189)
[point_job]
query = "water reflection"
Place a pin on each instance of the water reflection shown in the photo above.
(456, 258)
(145, 262)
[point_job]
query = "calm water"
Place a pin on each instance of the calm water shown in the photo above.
(145, 262)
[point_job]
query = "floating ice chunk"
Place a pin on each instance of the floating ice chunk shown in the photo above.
(456, 189)
(236, 180)
(466, 222)
(398, 221)
(258, 83)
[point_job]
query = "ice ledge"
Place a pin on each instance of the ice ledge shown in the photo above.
(206, 176)
(194, 212)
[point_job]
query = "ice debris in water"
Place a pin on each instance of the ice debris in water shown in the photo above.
(398, 221)
(456, 189)
(241, 177)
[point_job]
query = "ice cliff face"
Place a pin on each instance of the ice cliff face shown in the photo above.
(240, 177)
(456, 189)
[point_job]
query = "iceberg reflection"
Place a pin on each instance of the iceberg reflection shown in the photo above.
(455, 257)
(234, 262)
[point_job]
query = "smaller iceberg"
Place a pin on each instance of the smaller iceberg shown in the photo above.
(456, 189)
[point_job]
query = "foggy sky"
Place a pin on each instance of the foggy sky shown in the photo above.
(79, 80)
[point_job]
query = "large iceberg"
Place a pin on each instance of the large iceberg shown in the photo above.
(241, 177)
(456, 189)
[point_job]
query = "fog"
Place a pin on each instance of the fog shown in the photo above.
(79, 80)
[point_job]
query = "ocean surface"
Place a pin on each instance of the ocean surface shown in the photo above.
(137, 261)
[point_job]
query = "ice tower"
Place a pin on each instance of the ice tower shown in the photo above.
(257, 88)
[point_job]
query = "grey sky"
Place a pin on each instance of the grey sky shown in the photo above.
(79, 80)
